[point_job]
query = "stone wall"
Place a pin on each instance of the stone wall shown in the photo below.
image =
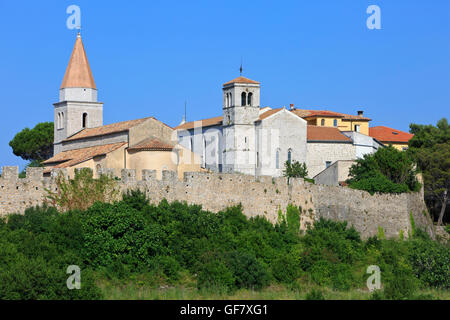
(258, 196)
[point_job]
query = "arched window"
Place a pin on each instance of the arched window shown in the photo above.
(249, 99)
(58, 120)
(62, 120)
(243, 98)
(277, 159)
(231, 99)
(335, 122)
(322, 122)
(84, 120)
(289, 156)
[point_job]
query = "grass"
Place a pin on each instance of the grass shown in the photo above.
(141, 291)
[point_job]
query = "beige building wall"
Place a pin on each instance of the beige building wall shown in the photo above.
(149, 128)
(319, 153)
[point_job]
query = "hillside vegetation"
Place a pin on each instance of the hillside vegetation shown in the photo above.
(177, 246)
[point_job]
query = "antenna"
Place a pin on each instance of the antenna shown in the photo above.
(240, 69)
(185, 103)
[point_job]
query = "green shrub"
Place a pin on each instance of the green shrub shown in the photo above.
(285, 268)
(215, 275)
(430, 262)
(386, 171)
(247, 271)
(118, 232)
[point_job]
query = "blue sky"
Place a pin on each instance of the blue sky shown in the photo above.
(148, 57)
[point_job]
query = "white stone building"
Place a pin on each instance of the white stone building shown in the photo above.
(258, 141)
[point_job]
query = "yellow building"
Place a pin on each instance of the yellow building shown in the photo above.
(341, 121)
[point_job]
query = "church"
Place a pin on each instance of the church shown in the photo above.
(245, 138)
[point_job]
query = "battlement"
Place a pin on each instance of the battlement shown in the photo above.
(263, 195)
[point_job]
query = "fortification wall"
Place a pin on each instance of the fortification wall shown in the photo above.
(257, 195)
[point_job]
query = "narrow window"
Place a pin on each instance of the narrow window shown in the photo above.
(335, 123)
(62, 120)
(327, 164)
(204, 152)
(228, 100)
(277, 159)
(289, 156)
(58, 121)
(243, 98)
(249, 99)
(322, 122)
(231, 99)
(84, 121)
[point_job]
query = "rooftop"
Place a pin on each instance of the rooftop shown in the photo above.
(386, 134)
(70, 158)
(107, 129)
(320, 134)
(241, 79)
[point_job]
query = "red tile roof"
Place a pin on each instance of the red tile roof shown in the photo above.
(107, 129)
(70, 158)
(152, 144)
(201, 123)
(386, 134)
(318, 134)
(241, 79)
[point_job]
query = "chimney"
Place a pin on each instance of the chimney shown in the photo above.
(292, 106)
(360, 113)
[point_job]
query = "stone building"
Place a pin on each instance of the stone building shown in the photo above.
(81, 139)
(246, 138)
(256, 140)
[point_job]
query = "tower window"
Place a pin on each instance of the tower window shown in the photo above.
(58, 121)
(243, 98)
(249, 99)
(84, 120)
(322, 122)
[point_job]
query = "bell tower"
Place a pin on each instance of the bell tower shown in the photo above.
(241, 101)
(78, 107)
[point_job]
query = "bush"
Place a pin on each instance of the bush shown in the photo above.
(215, 275)
(386, 171)
(118, 232)
(247, 271)
(286, 268)
(430, 263)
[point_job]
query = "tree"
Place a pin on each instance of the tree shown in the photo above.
(386, 171)
(295, 169)
(430, 147)
(35, 144)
